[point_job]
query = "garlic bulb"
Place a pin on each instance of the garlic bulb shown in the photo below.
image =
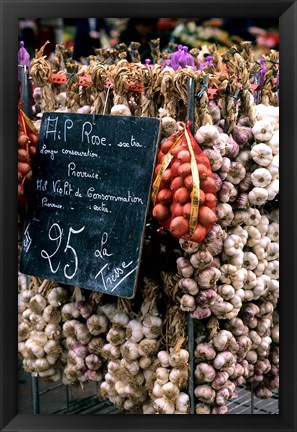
(97, 324)
(233, 245)
(148, 347)
(204, 372)
(272, 189)
(129, 350)
(261, 177)
(258, 196)
(273, 167)
(182, 403)
(208, 278)
(263, 225)
(214, 158)
(274, 142)
(151, 326)
(262, 154)
(187, 303)
(188, 285)
(207, 135)
(236, 173)
(262, 131)
(184, 267)
(170, 391)
(163, 357)
(204, 352)
(163, 406)
(134, 331)
(205, 393)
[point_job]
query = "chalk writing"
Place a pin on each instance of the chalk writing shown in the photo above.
(107, 197)
(82, 174)
(27, 239)
(91, 187)
(102, 251)
(45, 150)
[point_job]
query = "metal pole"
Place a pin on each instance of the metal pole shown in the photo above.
(190, 331)
(190, 322)
(68, 397)
(252, 398)
(35, 395)
(191, 103)
(24, 89)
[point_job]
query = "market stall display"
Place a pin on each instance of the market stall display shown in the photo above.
(213, 223)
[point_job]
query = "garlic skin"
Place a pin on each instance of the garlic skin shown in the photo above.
(243, 157)
(202, 408)
(205, 394)
(182, 403)
(129, 350)
(163, 406)
(134, 331)
(274, 142)
(261, 249)
(120, 110)
(184, 268)
(214, 158)
(204, 352)
(188, 285)
(272, 269)
(227, 193)
(273, 252)
(263, 224)
(187, 303)
(268, 113)
(178, 358)
(262, 154)
(261, 177)
(169, 126)
(163, 357)
(262, 130)
(236, 173)
(170, 391)
(208, 277)
(233, 245)
(272, 189)
(273, 231)
(273, 167)
(179, 377)
(258, 196)
(97, 324)
(204, 372)
(207, 135)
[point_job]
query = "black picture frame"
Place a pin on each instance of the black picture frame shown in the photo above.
(10, 11)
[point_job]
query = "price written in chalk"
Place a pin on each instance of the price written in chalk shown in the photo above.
(110, 276)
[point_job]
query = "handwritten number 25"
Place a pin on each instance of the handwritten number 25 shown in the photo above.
(73, 251)
(58, 238)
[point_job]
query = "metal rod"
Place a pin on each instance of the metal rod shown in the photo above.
(252, 398)
(190, 331)
(68, 397)
(35, 395)
(191, 103)
(190, 322)
(24, 89)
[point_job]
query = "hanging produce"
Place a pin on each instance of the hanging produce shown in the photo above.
(214, 226)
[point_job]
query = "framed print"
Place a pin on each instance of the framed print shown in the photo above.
(148, 214)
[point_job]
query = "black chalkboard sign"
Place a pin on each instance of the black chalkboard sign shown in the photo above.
(91, 191)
